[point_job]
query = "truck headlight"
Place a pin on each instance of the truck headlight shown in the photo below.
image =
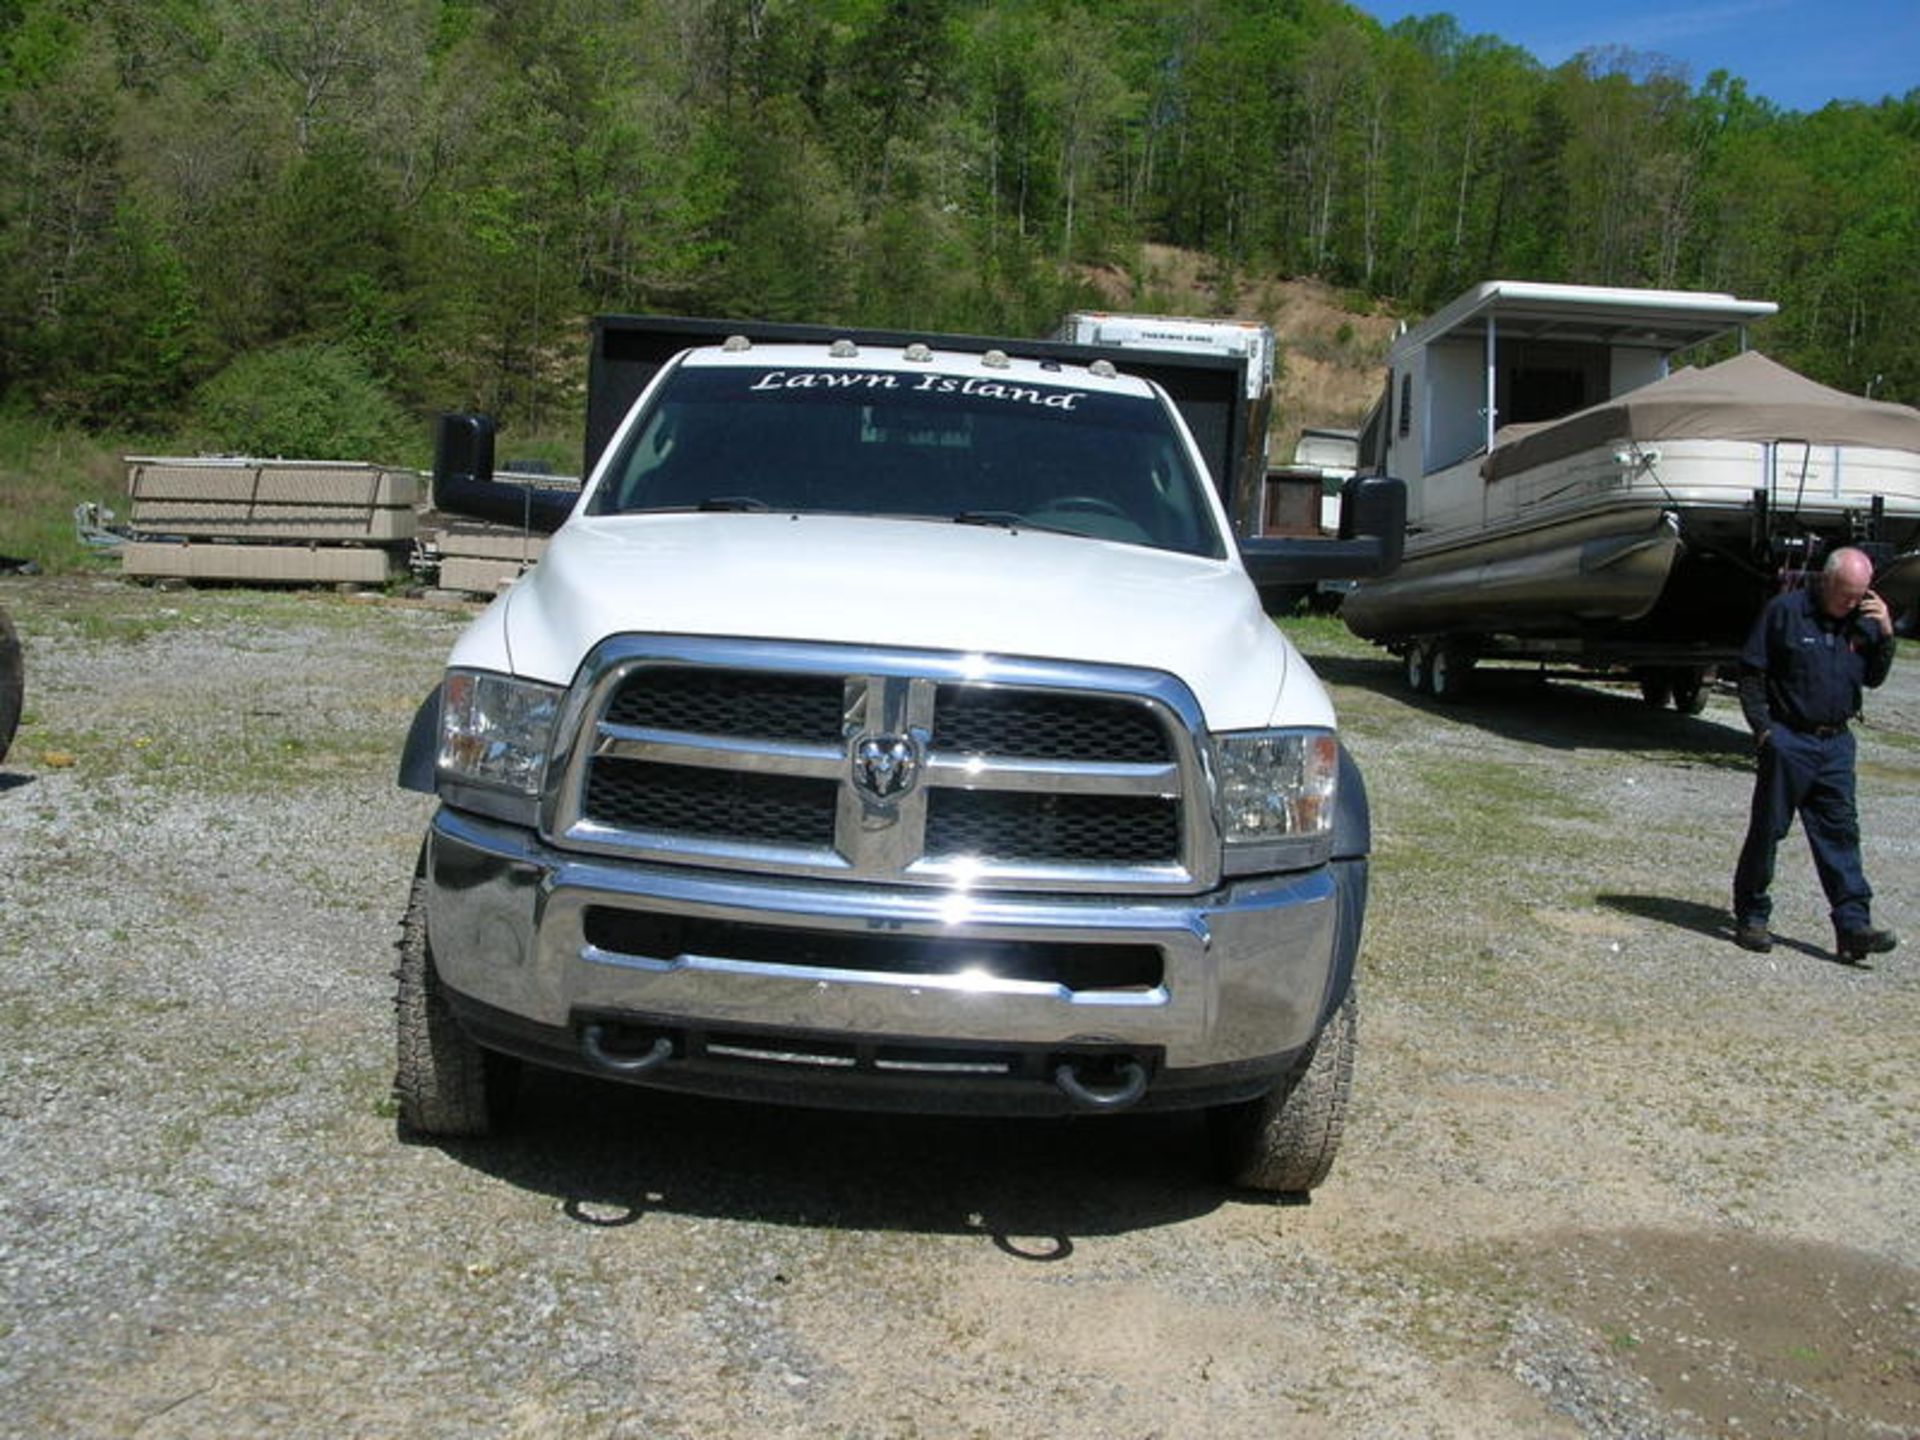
(1275, 792)
(495, 731)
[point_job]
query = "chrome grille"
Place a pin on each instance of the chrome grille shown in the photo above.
(673, 799)
(795, 708)
(742, 755)
(1055, 727)
(1075, 829)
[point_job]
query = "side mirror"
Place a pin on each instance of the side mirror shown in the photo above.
(463, 482)
(1375, 507)
(1373, 532)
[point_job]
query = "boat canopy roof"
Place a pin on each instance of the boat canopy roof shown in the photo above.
(1748, 397)
(1664, 320)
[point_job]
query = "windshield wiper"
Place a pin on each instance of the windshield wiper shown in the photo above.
(732, 502)
(1009, 520)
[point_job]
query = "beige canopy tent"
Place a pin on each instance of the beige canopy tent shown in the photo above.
(1746, 398)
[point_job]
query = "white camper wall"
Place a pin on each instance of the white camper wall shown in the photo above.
(1631, 369)
(1452, 403)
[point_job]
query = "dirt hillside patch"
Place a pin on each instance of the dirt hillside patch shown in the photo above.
(1332, 344)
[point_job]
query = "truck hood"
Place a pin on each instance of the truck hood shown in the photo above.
(902, 583)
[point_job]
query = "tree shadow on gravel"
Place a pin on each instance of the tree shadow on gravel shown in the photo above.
(612, 1153)
(1517, 704)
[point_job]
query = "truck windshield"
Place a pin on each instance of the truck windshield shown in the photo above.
(974, 449)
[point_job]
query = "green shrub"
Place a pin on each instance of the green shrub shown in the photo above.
(310, 401)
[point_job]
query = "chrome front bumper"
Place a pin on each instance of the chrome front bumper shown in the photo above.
(1250, 969)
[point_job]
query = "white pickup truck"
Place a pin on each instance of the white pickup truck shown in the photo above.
(890, 725)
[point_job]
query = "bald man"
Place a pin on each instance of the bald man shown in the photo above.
(1809, 656)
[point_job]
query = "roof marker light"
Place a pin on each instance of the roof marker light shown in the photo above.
(734, 344)
(1103, 368)
(996, 360)
(843, 350)
(917, 351)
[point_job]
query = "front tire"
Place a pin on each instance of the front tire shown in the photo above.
(1286, 1140)
(447, 1086)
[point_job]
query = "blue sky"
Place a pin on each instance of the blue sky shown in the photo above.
(1797, 53)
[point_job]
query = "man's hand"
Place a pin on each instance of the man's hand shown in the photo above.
(1873, 608)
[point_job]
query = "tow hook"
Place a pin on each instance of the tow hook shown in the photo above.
(1129, 1075)
(593, 1044)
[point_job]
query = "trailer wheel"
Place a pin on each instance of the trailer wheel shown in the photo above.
(12, 682)
(1285, 1141)
(1656, 686)
(1450, 670)
(445, 1083)
(1690, 691)
(1419, 661)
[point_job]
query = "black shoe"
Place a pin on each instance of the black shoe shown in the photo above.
(1753, 935)
(1859, 944)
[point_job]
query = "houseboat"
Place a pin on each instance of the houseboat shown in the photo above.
(1578, 497)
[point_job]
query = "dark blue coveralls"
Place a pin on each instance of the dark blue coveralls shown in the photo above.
(1813, 668)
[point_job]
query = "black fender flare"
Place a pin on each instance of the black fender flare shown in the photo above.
(1352, 843)
(1350, 902)
(417, 759)
(1352, 818)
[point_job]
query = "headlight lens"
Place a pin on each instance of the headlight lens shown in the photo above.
(1276, 785)
(495, 730)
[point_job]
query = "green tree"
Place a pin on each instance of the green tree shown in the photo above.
(448, 189)
(125, 346)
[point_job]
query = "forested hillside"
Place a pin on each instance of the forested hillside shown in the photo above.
(420, 201)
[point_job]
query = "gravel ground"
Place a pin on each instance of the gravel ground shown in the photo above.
(1606, 1175)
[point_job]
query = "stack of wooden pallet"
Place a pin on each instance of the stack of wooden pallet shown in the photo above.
(478, 558)
(289, 522)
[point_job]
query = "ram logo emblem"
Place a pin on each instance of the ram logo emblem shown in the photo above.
(885, 767)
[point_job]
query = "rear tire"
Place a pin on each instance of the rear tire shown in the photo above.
(446, 1084)
(1419, 658)
(1656, 686)
(1450, 671)
(1285, 1141)
(1690, 691)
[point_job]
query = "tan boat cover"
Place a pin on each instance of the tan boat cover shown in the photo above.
(1746, 398)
